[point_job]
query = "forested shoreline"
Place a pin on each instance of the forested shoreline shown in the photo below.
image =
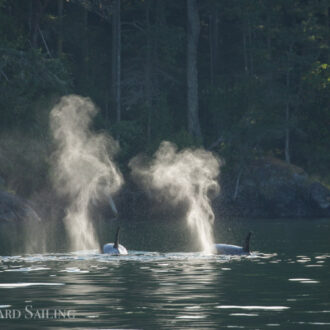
(247, 80)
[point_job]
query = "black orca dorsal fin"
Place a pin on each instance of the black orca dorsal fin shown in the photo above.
(116, 244)
(246, 246)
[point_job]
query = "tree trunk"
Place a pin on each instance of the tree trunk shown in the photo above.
(35, 22)
(30, 19)
(160, 22)
(106, 106)
(116, 60)
(287, 134)
(38, 9)
(60, 27)
(85, 46)
(148, 71)
(213, 41)
(270, 55)
(237, 183)
(245, 56)
(287, 109)
(193, 31)
(250, 38)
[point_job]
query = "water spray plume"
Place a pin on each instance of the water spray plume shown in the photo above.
(83, 169)
(189, 176)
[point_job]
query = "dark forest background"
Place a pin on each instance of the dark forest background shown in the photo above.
(245, 79)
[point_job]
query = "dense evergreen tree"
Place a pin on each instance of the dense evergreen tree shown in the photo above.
(251, 78)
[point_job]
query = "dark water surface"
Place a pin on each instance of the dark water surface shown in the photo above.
(284, 284)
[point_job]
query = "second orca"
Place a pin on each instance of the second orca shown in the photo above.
(229, 249)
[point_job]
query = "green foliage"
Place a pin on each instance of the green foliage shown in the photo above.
(130, 135)
(23, 162)
(183, 139)
(27, 76)
(267, 57)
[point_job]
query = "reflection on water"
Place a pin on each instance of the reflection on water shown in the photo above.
(150, 290)
(23, 285)
(265, 308)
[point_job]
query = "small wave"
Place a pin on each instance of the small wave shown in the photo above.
(24, 285)
(304, 280)
(191, 317)
(272, 308)
(26, 269)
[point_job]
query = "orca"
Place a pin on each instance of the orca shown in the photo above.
(115, 248)
(229, 249)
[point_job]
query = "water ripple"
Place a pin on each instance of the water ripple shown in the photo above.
(271, 308)
(23, 285)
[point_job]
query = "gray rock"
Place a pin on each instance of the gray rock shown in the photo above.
(270, 187)
(320, 195)
(13, 208)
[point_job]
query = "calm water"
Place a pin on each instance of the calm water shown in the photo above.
(284, 284)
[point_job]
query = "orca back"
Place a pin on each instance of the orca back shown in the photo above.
(110, 249)
(115, 248)
(234, 249)
(229, 249)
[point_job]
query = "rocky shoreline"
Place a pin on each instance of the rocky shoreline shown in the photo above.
(265, 188)
(14, 209)
(271, 188)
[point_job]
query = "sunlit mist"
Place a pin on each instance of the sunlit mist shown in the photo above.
(188, 176)
(83, 167)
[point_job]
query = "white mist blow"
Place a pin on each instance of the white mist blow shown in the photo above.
(83, 169)
(188, 175)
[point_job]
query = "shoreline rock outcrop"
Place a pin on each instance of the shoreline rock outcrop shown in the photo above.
(266, 188)
(13, 208)
(270, 188)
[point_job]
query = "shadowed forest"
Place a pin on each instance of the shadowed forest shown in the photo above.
(164, 164)
(244, 79)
